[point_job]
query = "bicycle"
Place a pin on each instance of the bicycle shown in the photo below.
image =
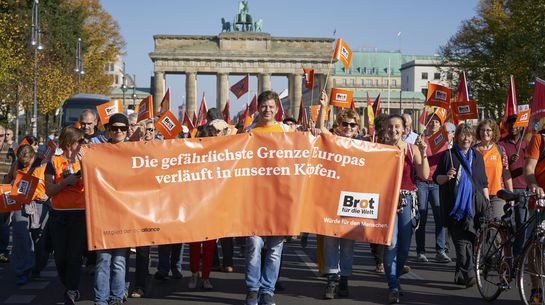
(495, 265)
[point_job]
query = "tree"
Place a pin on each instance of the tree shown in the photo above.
(504, 38)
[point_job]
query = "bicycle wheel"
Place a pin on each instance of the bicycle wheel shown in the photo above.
(488, 262)
(531, 274)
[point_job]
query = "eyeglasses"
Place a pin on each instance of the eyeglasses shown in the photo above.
(150, 129)
(119, 128)
(346, 124)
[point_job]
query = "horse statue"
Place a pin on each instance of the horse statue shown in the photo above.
(225, 25)
(258, 25)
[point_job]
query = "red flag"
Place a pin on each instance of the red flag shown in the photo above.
(353, 106)
(511, 100)
(438, 96)
(226, 116)
(423, 116)
(201, 118)
(343, 53)
(369, 103)
(187, 122)
(537, 117)
(253, 105)
(165, 103)
(168, 125)
(341, 98)
(240, 88)
(309, 78)
(462, 95)
(242, 115)
(376, 106)
(194, 121)
(279, 117)
(438, 140)
(302, 119)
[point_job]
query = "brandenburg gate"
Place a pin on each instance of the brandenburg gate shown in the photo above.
(240, 53)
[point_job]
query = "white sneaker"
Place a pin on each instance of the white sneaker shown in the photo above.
(421, 257)
(193, 281)
(206, 285)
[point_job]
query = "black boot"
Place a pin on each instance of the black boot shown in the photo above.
(343, 287)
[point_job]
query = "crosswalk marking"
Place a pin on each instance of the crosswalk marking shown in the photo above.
(308, 262)
(35, 285)
(19, 299)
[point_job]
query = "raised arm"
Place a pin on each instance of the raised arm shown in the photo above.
(321, 114)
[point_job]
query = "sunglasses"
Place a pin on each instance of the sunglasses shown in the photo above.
(150, 129)
(119, 128)
(346, 124)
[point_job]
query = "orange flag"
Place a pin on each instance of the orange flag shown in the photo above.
(106, 110)
(315, 110)
(8, 204)
(145, 109)
(438, 140)
(168, 125)
(49, 150)
(165, 103)
(438, 96)
(341, 98)
(343, 53)
(248, 120)
(309, 78)
(523, 119)
(464, 110)
(23, 188)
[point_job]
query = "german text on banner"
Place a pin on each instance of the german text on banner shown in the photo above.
(145, 109)
(106, 110)
(466, 110)
(187, 190)
(341, 98)
(438, 96)
(343, 53)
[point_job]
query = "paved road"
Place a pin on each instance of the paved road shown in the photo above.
(427, 283)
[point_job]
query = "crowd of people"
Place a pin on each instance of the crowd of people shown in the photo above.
(459, 182)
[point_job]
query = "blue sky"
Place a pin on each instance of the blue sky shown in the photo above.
(424, 25)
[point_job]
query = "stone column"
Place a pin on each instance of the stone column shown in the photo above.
(222, 89)
(159, 90)
(190, 93)
(297, 93)
(264, 82)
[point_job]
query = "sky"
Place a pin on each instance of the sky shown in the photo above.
(425, 25)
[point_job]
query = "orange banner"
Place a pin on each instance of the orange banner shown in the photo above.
(145, 109)
(168, 125)
(315, 110)
(466, 110)
(23, 188)
(341, 98)
(241, 185)
(438, 96)
(106, 110)
(8, 204)
(523, 119)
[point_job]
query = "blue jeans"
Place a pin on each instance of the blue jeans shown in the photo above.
(263, 281)
(170, 258)
(4, 233)
(520, 216)
(429, 192)
(22, 252)
(338, 251)
(110, 275)
(396, 254)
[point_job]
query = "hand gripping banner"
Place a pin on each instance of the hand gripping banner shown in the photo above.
(186, 190)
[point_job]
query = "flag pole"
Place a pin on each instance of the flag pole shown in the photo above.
(520, 139)
(330, 61)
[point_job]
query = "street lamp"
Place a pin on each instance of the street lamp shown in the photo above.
(36, 43)
(134, 91)
(124, 84)
(79, 64)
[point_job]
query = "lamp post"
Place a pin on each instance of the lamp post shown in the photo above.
(124, 84)
(134, 91)
(79, 65)
(36, 43)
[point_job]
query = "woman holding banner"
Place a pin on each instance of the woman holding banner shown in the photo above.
(28, 254)
(415, 162)
(463, 191)
(496, 164)
(64, 185)
(338, 252)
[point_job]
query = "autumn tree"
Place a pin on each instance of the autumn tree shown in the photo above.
(506, 37)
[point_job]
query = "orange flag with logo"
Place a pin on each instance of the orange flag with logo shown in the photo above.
(309, 78)
(168, 125)
(145, 109)
(106, 110)
(343, 53)
(464, 110)
(438, 140)
(49, 150)
(23, 188)
(8, 204)
(315, 110)
(523, 118)
(341, 97)
(438, 96)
